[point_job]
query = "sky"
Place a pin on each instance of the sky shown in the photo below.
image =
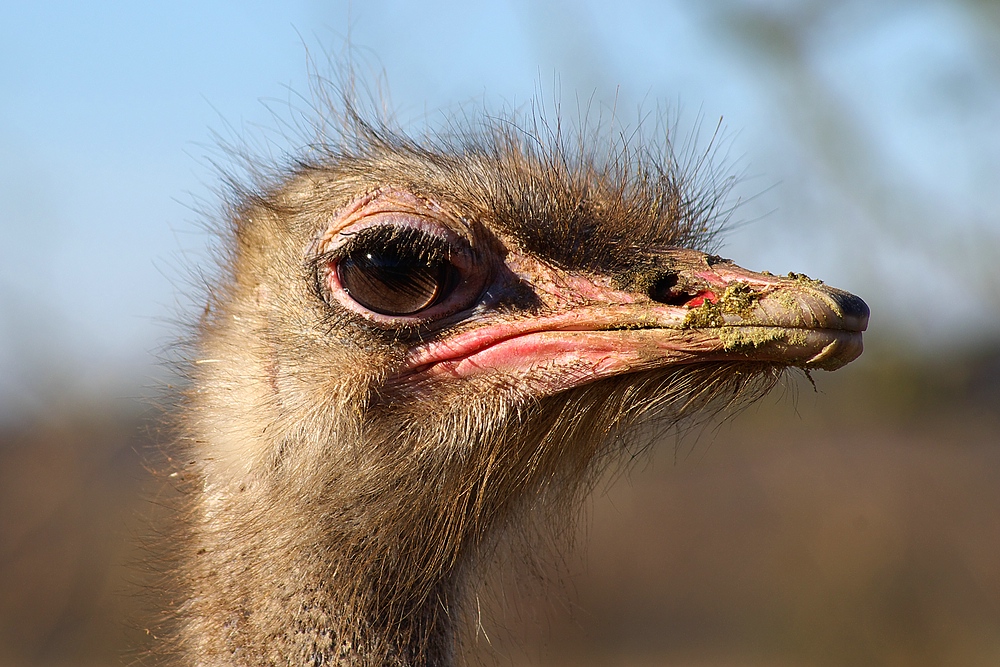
(865, 137)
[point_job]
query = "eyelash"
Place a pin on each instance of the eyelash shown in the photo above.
(428, 247)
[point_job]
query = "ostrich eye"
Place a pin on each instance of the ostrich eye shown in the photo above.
(397, 272)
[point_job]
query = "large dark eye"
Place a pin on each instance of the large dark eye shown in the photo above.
(397, 272)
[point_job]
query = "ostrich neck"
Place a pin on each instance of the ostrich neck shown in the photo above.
(322, 536)
(322, 588)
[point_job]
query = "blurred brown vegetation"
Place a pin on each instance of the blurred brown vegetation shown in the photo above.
(854, 525)
(70, 502)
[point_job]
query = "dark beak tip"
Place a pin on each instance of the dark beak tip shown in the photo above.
(853, 307)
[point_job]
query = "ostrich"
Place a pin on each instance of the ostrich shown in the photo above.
(415, 346)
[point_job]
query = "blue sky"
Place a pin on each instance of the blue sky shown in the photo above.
(108, 114)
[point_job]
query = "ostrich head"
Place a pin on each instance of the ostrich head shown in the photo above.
(416, 345)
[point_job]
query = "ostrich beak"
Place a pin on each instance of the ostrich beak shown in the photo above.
(700, 308)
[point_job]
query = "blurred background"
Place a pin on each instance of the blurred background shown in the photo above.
(857, 523)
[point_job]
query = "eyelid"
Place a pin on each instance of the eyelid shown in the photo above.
(459, 249)
(407, 220)
(384, 203)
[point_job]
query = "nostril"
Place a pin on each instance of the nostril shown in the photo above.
(664, 291)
